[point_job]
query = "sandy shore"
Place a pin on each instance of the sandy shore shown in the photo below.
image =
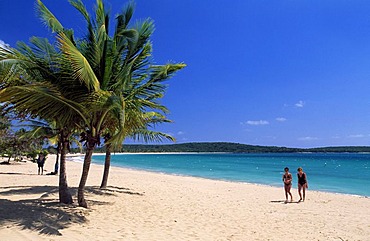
(149, 206)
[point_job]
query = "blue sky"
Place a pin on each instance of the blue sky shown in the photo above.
(264, 72)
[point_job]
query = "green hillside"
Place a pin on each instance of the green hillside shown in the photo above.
(232, 148)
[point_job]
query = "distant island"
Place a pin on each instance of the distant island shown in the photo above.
(230, 148)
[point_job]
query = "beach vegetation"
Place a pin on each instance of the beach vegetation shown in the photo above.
(232, 148)
(15, 146)
(37, 87)
(99, 85)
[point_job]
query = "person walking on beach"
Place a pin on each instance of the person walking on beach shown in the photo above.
(302, 183)
(287, 179)
(40, 164)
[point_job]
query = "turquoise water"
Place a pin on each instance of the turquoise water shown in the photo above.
(339, 173)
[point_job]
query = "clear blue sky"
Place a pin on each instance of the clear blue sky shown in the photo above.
(285, 73)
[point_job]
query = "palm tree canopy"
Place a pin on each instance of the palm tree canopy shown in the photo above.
(96, 79)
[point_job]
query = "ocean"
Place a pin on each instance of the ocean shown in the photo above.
(339, 173)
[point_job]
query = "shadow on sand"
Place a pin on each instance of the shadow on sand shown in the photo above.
(111, 190)
(45, 214)
(283, 201)
(16, 173)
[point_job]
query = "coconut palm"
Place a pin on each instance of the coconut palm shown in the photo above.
(34, 86)
(84, 63)
(140, 82)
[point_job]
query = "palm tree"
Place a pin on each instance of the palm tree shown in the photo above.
(34, 86)
(140, 82)
(88, 83)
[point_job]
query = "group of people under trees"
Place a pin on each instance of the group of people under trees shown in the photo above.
(302, 184)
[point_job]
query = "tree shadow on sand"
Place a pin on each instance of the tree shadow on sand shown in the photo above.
(45, 214)
(27, 190)
(16, 173)
(111, 190)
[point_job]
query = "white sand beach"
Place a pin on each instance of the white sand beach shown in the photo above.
(141, 205)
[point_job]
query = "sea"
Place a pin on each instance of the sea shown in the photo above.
(347, 173)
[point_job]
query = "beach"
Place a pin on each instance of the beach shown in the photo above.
(141, 205)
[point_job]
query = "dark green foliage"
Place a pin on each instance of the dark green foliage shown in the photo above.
(206, 147)
(233, 148)
(338, 149)
(15, 146)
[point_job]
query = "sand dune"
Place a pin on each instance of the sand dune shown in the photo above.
(151, 206)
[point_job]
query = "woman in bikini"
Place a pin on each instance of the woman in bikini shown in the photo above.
(302, 183)
(287, 179)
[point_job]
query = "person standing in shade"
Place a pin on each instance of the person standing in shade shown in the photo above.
(287, 179)
(302, 183)
(40, 164)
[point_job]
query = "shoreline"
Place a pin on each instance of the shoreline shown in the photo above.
(201, 177)
(228, 181)
(142, 205)
(304, 152)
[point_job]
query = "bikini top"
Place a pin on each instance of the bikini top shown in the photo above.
(289, 176)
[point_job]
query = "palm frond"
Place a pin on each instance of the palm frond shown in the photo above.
(151, 136)
(44, 52)
(43, 100)
(163, 72)
(100, 13)
(114, 105)
(145, 29)
(78, 4)
(123, 19)
(24, 66)
(48, 18)
(80, 66)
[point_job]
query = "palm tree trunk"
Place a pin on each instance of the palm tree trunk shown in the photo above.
(64, 194)
(106, 166)
(91, 143)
